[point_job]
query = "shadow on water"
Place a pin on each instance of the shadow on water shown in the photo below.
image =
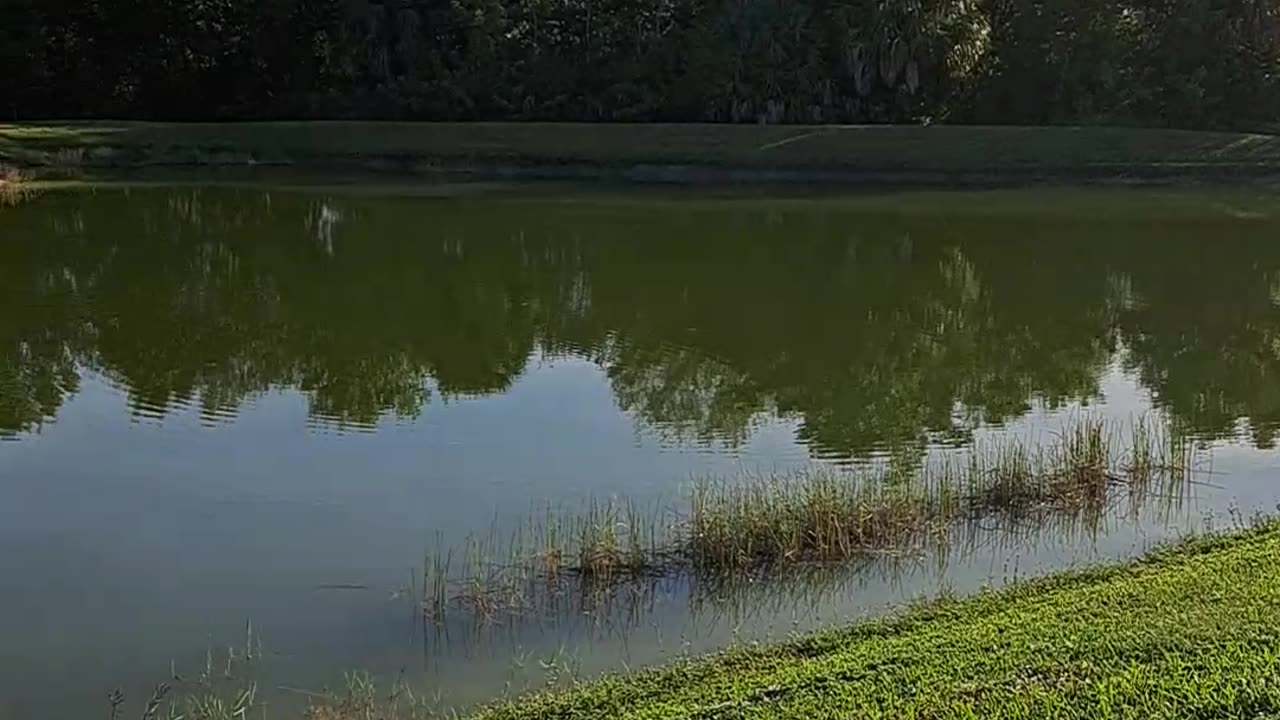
(870, 324)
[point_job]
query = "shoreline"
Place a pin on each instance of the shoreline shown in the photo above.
(1184, 629)
(854, 156)
(1162, 635)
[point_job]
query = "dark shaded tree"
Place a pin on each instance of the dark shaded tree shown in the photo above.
(1193, 63)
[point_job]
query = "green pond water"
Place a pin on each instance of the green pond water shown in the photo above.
(230, 404)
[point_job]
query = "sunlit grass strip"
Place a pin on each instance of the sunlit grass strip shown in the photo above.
(950, 154)
(760, 524)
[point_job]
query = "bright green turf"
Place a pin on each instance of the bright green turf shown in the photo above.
(862, 150)
(1191, 632)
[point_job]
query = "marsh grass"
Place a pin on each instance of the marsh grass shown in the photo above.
(827, 515)
(360, 699)
(1078, 642)
(543, 562)
(1187, 631)
(225, 688)
(808, 516)
(767, 525)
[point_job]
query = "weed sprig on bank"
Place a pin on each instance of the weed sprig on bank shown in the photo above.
(13, 185)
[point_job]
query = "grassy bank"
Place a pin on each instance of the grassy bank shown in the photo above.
(1191, 631)
(650, 151)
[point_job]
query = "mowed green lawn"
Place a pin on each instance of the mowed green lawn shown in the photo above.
(1189, 632)
(1089, 152)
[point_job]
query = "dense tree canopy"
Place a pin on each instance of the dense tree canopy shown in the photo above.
(1195, 63)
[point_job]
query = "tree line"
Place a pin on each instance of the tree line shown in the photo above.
(1190, 63)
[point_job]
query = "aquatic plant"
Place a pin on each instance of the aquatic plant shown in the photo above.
(1137, 639)
(766, 525)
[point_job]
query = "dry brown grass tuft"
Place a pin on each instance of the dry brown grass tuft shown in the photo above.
(13, 185)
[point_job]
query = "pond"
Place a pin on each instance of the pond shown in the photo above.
(233, 410)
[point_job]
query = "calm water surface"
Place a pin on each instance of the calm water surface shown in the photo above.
(225, 404)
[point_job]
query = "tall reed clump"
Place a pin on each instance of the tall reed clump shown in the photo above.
(1075, 470)
(602, 540)
(763, 523)
(827, 514)
(813, 515)
(603, 543)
